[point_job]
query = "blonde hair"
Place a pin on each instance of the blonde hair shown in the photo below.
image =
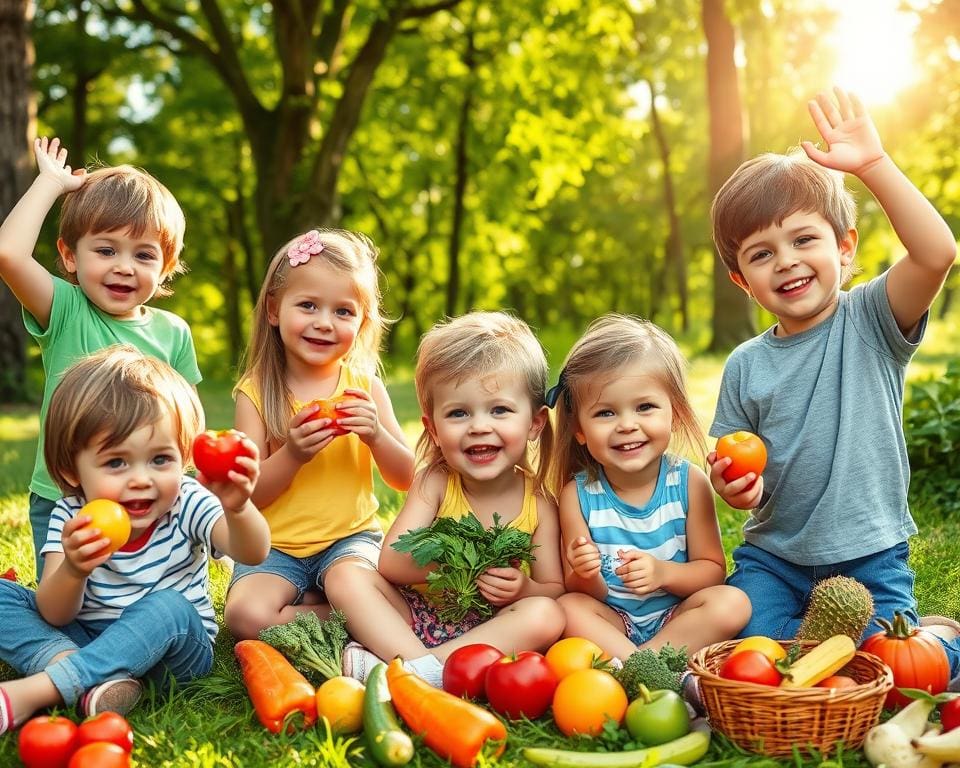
(124, 197)
(770, 187)
(610, 343)
(349, 253)
(476, 345)
(108, 396)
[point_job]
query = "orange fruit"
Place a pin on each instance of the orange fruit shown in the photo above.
(585, 700)
(572, 653)
(112, 520)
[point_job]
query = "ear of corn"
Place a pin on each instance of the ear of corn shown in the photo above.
(820, 662)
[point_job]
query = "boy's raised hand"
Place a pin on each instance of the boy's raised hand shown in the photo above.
(853, 144)
(584, 557)
(52, 164)
(83, 546)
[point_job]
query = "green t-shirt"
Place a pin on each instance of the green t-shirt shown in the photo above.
(78, 328)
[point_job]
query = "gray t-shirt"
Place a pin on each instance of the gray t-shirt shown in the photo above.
(827, 402)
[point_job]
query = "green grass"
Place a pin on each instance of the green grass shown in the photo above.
(210, 723)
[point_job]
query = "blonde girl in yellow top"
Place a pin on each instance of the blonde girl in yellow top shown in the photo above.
(481, 380)
(316, 334)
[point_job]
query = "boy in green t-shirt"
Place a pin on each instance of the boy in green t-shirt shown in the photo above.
(121, 233)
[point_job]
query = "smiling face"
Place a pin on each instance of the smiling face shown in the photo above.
(482, 424)
(794, 269)
(142, 473)
(626, 422)
(117, 272)
(318, 314)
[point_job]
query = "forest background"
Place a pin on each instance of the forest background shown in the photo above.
(553, 157)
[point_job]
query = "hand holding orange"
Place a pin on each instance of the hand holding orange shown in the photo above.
(112, 520)
(747, 453)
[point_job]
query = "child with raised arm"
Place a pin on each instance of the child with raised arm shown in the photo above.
(121, 232)
(480, 382)
(125, 423)
(644, 561)
(316, 335)
(824, 386)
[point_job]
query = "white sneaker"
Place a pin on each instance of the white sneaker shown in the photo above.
(118, 696)
(358, 662)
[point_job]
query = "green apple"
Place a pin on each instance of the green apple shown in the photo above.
(656, 717)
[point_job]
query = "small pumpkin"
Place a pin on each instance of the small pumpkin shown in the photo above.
(916, 657)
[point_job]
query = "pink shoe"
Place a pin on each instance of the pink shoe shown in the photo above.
(118, 696)
(6, 713)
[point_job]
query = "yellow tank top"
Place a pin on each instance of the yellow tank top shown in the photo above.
(455, 504)
(331, 496)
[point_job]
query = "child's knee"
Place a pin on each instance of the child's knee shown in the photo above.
(246, 619)
(546, 618)
(345, 577)
(729, 609)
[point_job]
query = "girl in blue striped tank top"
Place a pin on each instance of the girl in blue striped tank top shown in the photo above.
(644, 564)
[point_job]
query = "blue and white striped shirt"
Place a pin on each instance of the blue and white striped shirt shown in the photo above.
(659, 528)
(175, 557)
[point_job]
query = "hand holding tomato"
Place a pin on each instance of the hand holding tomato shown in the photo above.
(84, 547)
(329, 408)
(746, 452)
(358, 414)
(641, 572)
(584, 557)
(218, 453)
(502, 586)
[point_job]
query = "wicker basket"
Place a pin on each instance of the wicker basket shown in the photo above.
(770, 721)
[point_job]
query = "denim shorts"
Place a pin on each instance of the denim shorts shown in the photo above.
(308, 572)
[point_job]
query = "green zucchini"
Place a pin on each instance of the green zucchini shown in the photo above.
(683, 751)
(389, 744)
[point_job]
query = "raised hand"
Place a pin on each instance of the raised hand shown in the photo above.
(52, 164)
(235, 491)
(359, 415)
(84, 547)
(853, 144)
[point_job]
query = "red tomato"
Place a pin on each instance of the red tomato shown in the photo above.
(215, 453)
(750, 667)
(747, 451)
(465, 669)
(47, 742)
(950, 714)
(107, 726)
(329, 408)
(100, 754)
(521, 685)
(837, 681)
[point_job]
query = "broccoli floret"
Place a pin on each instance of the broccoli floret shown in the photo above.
(656, 670)
(314, 647)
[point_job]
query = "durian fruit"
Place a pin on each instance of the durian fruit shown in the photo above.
(838, 606)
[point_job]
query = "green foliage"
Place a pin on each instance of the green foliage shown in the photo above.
(462, 549)
(932, 427)
(314, 647)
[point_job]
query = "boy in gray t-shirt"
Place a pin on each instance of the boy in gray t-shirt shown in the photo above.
(824, 386)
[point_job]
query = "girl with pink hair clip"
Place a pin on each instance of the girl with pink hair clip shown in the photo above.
(316, 335)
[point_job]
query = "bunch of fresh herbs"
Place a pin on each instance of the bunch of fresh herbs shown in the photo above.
(462, 549)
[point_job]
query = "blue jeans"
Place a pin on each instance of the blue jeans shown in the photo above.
(779, 590)
(158, 637)
(40, 511)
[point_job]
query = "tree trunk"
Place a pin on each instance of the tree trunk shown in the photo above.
(732, 317)
(460, 183)
(674, 257)
(16, 131)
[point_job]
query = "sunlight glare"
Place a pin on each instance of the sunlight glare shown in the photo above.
(874, 45)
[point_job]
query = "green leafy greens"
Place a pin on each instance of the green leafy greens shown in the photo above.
(462, 550)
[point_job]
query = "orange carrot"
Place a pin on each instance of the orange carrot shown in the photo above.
(276, 689)
(453, 728)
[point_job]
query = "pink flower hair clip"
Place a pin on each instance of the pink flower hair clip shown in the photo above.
(305, 246)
